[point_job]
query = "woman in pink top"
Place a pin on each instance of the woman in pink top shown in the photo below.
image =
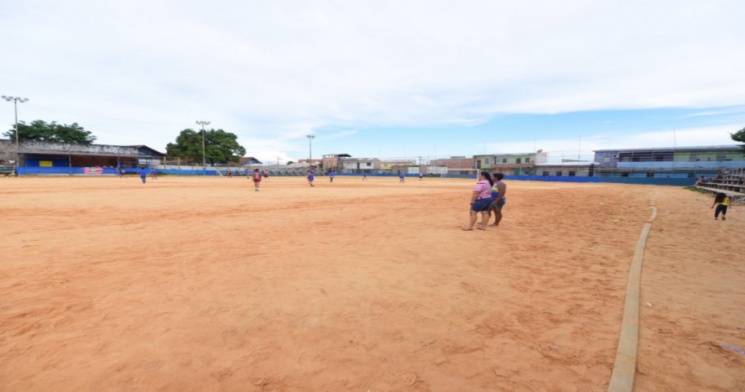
(480, 201)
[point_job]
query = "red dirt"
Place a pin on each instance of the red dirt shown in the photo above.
(197, 284)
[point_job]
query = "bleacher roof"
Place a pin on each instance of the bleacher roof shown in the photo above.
(668, 149)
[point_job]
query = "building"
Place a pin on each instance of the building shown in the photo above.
(334, 162)
(511, 164)
(315, 163)
(396, 164)
(453, 163)
(569, 169)
(361, 165)
(248, 161)
(37, 157)
(678, 162)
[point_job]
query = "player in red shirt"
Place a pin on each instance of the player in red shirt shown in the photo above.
(257, 179)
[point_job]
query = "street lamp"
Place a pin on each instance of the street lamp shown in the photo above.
(15, 106)
(204, 160)
(310, 150)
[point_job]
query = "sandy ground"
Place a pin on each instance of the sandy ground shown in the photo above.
(200, 284)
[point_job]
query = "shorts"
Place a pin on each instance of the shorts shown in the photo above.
(498, 205)
(481, 204)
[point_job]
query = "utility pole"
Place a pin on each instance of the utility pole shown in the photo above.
(15, 107)
(204, 159)
(310, 150)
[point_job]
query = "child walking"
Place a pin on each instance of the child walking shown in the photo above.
(721, 201)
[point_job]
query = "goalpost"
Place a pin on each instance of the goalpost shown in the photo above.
(461, 173)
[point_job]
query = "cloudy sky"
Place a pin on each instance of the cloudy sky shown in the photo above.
(382, 78)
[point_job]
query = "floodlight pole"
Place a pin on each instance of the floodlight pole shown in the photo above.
(204, 159)
(310, 151)
(15, 108)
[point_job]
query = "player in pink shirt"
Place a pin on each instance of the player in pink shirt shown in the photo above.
(480, 201)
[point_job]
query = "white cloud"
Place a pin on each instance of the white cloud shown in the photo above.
(140, 71)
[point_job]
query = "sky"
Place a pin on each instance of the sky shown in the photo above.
(382, 78)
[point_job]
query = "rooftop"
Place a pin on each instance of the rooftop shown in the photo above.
(665, 149)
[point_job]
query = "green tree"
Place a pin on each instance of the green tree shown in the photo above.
(42, 131)
(220, 146)
(739, 136)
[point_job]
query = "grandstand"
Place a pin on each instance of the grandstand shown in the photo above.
(728, 181)
(65, 158)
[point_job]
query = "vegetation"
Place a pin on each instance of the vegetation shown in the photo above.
(42, 131)
(739, 136)
(220, 146)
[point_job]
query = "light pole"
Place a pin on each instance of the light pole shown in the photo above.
(15, 107)
(204, 160)
(310, 151)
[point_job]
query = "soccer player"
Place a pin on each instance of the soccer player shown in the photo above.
(721, 200)
(499, 196)
(311, 178)
(153, 173)
(364, 176)
(230, 173)
(257, 180)
(400, 177)
(331, 176)
(143, 174)
(421, 176)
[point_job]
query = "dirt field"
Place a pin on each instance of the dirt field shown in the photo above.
(201, 284)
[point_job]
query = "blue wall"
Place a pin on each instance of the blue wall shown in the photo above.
(610, 179)
(56, 162)
(31, 170)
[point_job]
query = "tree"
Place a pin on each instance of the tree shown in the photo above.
(51, 132)
(739, 136)
(290, 163)
(220, 146)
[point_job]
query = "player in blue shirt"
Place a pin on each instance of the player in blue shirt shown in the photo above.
(143, 174)
(311, 178)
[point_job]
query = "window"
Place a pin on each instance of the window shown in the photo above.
(558, 174)
(478, 164)
(650, 174)
(546, 174)
(606, 159)
(527, 160)
(572, 173)
(504, 160)
(369, 164)
(486, 161)
(517, 160)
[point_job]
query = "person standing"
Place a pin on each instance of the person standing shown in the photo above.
(153, 173)
(721, 201)
(400, 177)
(364, 176)
(421, 176)
(331, 176)
(230, 173)
(311, 178)
(257, 180)
(143, 174)
(480, 202)
(499, 197)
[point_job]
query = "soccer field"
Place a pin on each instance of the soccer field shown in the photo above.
(199, 284)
